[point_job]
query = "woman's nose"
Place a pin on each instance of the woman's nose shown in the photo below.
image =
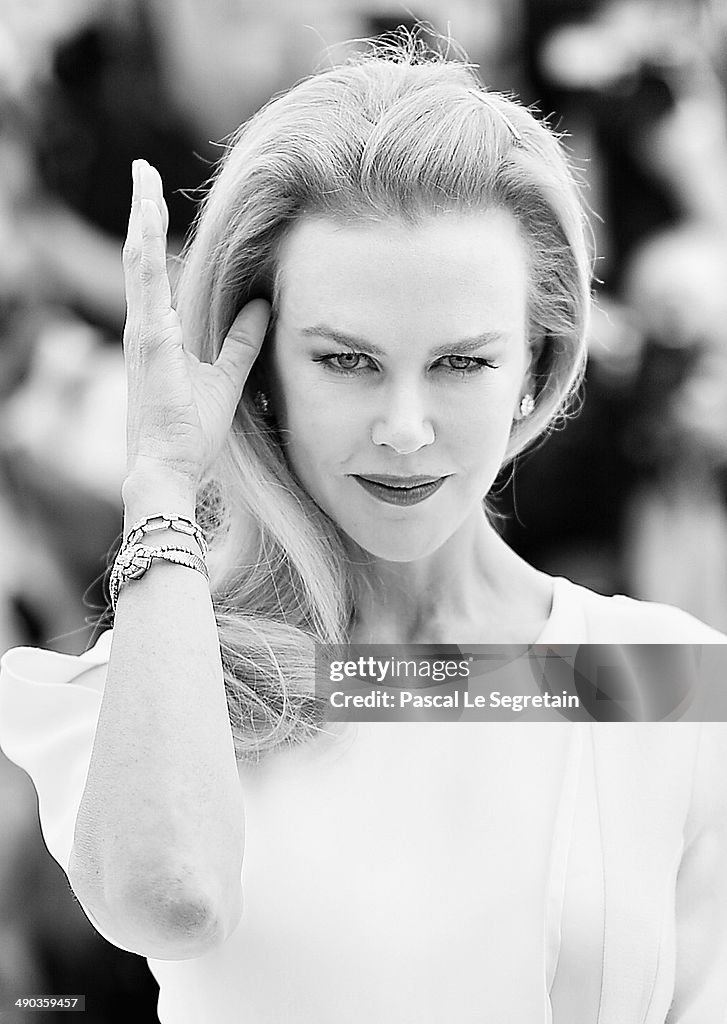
(404, 425)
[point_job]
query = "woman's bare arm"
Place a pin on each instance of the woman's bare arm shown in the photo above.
(159, 837)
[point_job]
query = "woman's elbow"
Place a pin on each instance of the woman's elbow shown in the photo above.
(178, 925)
(165, 917)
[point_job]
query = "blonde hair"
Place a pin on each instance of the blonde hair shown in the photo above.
(397, 132)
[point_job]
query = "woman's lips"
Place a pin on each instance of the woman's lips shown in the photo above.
(400, 490)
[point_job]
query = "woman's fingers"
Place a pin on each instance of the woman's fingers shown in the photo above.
(131, 254)
(242, 344)
(148, 293)
(156, 292)
(156, 295)
(156, 192)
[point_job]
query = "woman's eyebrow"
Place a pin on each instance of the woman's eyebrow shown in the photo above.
(461, 347)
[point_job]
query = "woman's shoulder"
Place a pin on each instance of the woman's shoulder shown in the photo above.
(626, 620)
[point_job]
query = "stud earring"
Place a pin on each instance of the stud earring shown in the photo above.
(527, 405)
(262, 403)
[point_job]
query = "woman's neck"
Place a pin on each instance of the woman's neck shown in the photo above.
(474, 589)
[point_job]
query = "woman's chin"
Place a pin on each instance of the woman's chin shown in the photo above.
(396, 546)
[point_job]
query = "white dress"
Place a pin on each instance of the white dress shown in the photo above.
(427, 872)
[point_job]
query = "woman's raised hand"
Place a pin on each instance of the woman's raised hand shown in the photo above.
(179, 409)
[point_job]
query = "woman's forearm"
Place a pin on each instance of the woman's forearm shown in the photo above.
(160, 833)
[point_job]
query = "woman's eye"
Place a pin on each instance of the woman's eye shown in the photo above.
(346, 361)
(466, 364)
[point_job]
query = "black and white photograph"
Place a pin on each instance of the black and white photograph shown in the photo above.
(363, 511)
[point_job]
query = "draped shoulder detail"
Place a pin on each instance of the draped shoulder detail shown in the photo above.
(49, 708)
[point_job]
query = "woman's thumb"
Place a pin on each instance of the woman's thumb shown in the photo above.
(244, 339)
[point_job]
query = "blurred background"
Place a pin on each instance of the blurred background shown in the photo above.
(630, 498)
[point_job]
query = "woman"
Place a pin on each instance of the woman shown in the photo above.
(391, 270)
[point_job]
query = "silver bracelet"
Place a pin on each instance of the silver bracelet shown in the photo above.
(166, 521)
(134, 560)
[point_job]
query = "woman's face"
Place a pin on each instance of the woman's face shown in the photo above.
(397, 368)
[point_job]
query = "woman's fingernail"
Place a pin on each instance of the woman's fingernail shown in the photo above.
(142, 171)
